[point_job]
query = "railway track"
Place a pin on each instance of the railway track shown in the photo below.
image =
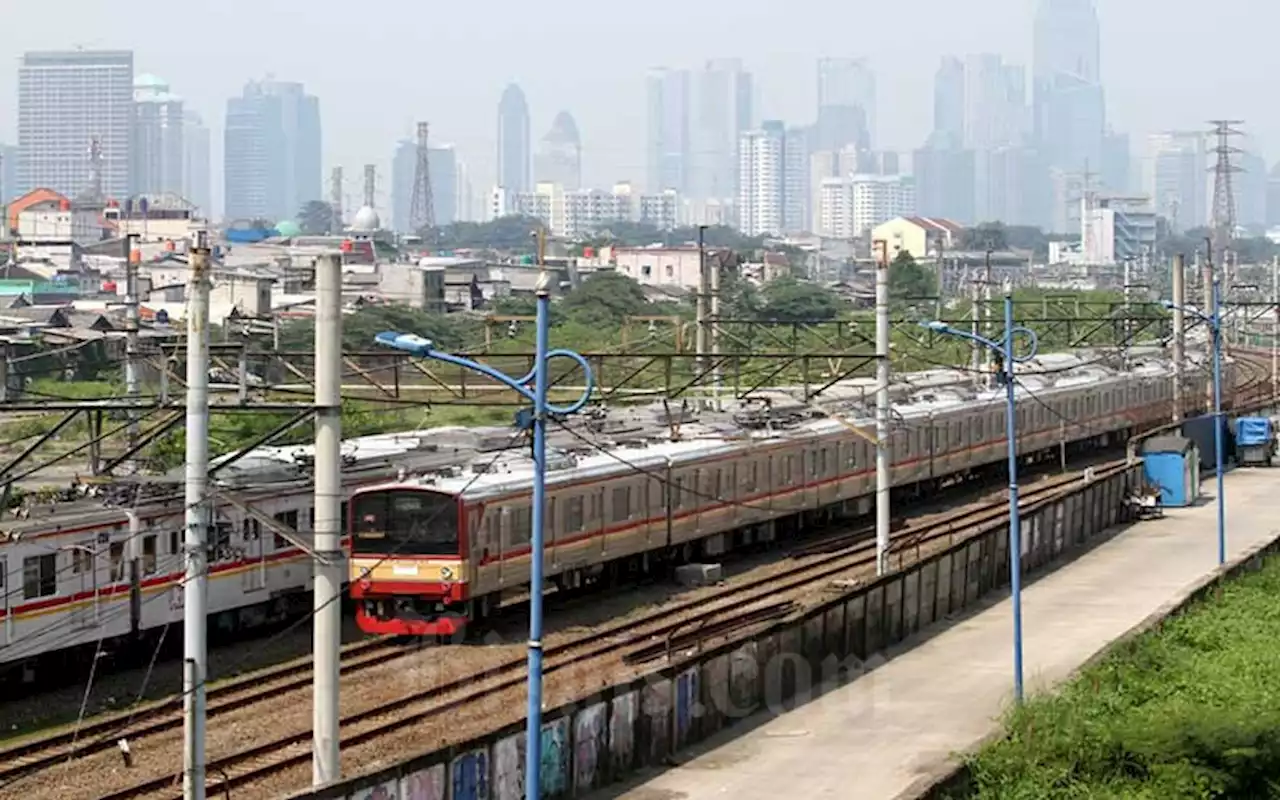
(102, 733)
(733, 610)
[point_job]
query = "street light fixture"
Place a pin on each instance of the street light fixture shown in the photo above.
(1214, 321)
(1004, 347)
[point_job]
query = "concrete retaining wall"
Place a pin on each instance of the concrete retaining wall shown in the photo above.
(609, 735)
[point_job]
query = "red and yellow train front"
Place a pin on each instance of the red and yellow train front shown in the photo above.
(408, 562)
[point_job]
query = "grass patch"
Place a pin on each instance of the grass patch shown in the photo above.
(1189, 711)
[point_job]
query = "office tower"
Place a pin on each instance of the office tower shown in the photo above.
(761, 179)
(272, 151)
(995, 102)
(404, 165)
(442, 163)
(668, 145)
(197, 164)
(722, 111)
(846, 104)
(796, 209)
(559, 158)
(949, 102)
(945, 182)
(514, 162)
(159, 133)
(1116, 167)
(1069, 112)
(1175, 178)
(66, 102)
(9, 172)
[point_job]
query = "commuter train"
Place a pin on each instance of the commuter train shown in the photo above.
(439, 550)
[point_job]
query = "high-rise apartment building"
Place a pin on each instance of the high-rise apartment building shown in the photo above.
(514, 143)
(669, 149)
(846, 104)
(272, 151)
(559, 158)
(197, 164)
(722, 110)
(66, 101)
(762, 180)
(949, 102)
(944, 182)
(159, 138)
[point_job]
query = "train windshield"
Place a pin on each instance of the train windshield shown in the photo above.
(404, 522)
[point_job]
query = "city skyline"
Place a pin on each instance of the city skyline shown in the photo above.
(779, 85)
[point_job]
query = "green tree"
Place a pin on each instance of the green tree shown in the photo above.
(987, 236)
(909, 280)
(787, 299)
(316, 218)
(605, 298)
(505, 233)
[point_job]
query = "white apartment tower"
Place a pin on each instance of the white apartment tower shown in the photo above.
(762, 180)
(66, 101)
(159, 133)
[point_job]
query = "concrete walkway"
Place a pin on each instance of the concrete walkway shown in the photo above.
(886, 734)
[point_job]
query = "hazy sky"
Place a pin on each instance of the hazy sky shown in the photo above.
(378, 65)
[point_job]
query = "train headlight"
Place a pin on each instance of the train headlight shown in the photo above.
(446, 573)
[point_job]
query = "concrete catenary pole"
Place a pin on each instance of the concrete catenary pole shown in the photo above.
(132, 367)
(1275, 329)
(326, 764)
(1126, 328)
(713, 270)
(1208, 289)
(882, 415)
(195, 587)
(1179, 340)
(700, 306)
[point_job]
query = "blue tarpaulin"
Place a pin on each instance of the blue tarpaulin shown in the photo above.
(1252, 431)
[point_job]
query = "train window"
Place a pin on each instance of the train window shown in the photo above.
(82, 558)
(573, 516)
(220, 546)
(290, 520)
(149, 555)
(39, 576)
(621, 504)
(788, 471)
(519, 527)
(597, 507)
(977, 428)
(713, 486)
(492, 526)
(822, 463)
(750, 476)
(549, 524)
(117, 562)
(175, 542)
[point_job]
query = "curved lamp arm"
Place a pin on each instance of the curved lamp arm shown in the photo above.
(1033, 343)
(420, 346)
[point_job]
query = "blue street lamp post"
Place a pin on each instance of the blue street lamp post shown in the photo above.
(537, 420)
(1004, 346)
(1214, 320)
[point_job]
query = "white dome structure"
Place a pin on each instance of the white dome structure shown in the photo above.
(366, 220)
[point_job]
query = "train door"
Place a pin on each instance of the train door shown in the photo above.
(84, 571)
(254, 577)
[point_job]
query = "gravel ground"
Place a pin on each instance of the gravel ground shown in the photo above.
(416, 671)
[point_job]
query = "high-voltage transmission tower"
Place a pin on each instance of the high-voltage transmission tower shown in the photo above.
(335, 199)
(1223, 221)
(422, 209)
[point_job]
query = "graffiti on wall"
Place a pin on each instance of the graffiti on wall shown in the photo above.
(687, 709)
(655, 704)
(470, 776)
(508, 768)
(588, 746)
(425, 784)
(622, 731)
(383, 791)
(553, 768)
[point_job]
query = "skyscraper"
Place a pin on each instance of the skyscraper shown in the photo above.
(272, 151)
(442, 160)
(846, 104)
(197, 164)
(1176, 180)
(448, 196)
(669, 150)
(722, 110)
(949, 103)
(514, 141)
(159, 133)
(1069, 111)
(762, 179)
(66, 101)
(559, 158)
